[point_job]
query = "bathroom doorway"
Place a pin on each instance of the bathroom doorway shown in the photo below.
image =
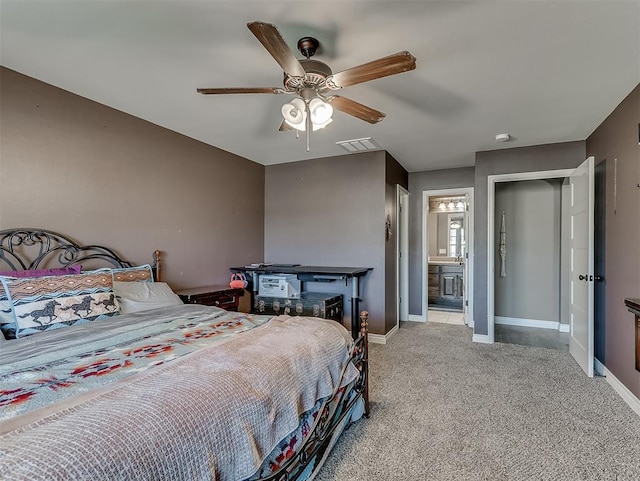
(447, 256)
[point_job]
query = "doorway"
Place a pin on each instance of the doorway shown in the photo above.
(494, 223)
(447, 260)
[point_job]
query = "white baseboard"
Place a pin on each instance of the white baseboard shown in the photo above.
(382, 338)
(563, 328)
(482, 338)
(517, 321)
(621, 389)
(415, 318)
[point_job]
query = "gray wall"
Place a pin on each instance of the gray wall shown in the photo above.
(531, 288)
(331, 212)
(419, 182)
(616, 140)
(104, 177)
(564, 155)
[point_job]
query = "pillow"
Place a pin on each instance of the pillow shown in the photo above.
(51, 302)
(58, 271)
(133, 274)
(141, 296)
(6, 311)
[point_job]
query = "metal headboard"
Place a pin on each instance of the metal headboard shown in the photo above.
(27, 248)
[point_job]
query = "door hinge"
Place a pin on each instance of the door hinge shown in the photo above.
(466, 303)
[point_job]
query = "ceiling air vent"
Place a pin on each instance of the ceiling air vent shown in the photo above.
(359, 145)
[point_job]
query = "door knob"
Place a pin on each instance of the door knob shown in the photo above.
(582, 278)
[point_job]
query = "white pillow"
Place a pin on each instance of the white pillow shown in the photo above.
(142, 296)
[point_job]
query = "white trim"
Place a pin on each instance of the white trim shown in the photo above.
(621, 389)
(563, 328)
(518, 321)
(469, 231)
(382, 338)
(416, 318)
(491, 199)
(402, 275)
(598, 367)
(482, 338)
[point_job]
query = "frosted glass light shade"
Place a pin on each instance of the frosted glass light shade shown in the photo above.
(321, 112)
(295, 114)
(321, 126)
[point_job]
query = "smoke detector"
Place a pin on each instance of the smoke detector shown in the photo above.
(502, 137)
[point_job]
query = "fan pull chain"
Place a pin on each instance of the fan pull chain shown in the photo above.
(308, 124)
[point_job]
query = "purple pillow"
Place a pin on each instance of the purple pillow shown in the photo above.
(58, 271)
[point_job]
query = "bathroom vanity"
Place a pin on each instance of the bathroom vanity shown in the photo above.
(446, 283)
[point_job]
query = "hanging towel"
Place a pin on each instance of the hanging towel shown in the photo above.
(503, 248)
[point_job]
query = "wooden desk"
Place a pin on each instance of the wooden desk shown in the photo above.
(314, 274)
(634, 306)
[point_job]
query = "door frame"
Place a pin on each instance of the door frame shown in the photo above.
(492, 180)
(402, 254)
(468, 271)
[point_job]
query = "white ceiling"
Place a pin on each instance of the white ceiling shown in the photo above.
(543, 71)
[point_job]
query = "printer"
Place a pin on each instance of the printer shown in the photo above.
(279, 285)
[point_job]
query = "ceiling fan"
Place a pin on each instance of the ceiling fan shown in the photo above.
(313, 83)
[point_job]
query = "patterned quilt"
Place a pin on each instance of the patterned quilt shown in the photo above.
(191, 392)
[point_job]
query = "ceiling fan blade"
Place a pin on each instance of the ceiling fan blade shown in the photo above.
(242, 90)
(383, 67)
(271, 39)
(284, 126)
(356, 109)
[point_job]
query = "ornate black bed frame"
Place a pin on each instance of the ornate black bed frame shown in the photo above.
(22, 249)
(315, 447)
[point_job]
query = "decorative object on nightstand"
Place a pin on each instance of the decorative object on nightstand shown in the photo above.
(224, 297)
(238, 281)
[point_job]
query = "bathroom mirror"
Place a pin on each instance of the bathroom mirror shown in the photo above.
(446, 234)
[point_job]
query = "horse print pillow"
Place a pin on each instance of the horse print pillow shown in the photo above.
(44, 303)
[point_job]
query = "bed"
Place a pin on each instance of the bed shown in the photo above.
(107, 375)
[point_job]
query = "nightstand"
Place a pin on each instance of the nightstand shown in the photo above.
(219, 296)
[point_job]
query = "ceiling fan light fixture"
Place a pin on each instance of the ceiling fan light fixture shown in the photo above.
(295, 114)
(322, 125)
(321, 112)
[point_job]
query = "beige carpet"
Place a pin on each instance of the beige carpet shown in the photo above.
(445, 408)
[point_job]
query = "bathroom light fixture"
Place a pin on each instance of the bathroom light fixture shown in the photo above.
(441, 206)
(451, 205)
(460, 205)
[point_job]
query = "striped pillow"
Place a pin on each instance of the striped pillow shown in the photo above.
(133, 274)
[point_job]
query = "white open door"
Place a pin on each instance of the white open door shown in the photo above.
(581, 330)
(402, 254)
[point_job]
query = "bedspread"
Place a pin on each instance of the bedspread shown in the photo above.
(212, 413)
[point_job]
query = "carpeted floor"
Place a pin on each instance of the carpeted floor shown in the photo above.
(444, 408)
